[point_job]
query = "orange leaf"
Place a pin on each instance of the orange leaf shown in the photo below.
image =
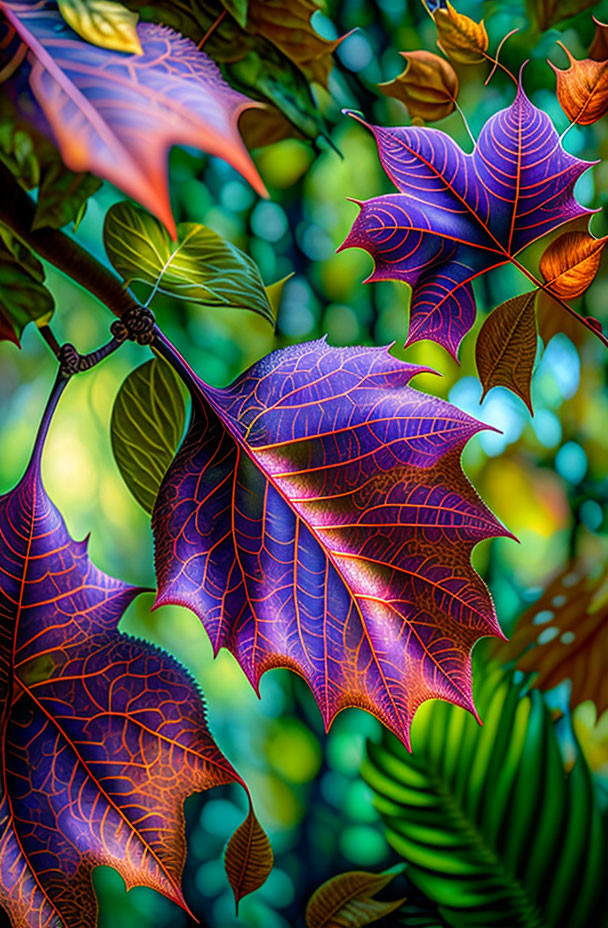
(428, 86)
(248, 858)
(571, 262)
(346, 901)
(506, 347)
(582, 89)
(564, 636)
(460, 37)
(598, 50)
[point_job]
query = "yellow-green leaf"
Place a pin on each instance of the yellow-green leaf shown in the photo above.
(506, 347)
(346, 901)
(106, 23)
(274, 292)
(249, 858)
(200, 266)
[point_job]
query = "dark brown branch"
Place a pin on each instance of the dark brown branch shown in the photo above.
(17, 211)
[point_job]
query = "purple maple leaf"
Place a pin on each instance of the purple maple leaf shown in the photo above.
(317, 518)
(103, 735)
(459, 215)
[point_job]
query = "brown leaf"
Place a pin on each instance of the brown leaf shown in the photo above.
(598, 50)
(346, 901)
(249, 858)
(564, 636)
(428, 86)
(265, 126)
(571, 262)
(459, 36)
(287, 25)
(582, 89)
(506, 347)
(550, 12)
(552, 319)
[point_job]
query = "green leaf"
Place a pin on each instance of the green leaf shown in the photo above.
(238, 9)
(147, 425)
(62, 195)
(106, 23)
(23, 297)
(493, 830)
(200, 266)
(347, 901)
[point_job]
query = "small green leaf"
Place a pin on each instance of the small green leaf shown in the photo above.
(200, 266)
(346, 901)
(249, 858)
(147, 425)
(106, 23)
(238, 9)
(23, 297)
(62, 196)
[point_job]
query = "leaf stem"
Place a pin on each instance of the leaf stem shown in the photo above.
(211, 29)
(49, 337)
(18, 210)
(547, 289)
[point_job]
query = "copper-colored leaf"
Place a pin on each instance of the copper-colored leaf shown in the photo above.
(552, 319)
(248, 857)
(506, 347)
(564, 636)
(571, 262)
(582, 89)
(428, 86)
(459, 36)
(287, 25)
(106, 23)
(173, 95)
(598, 50)
(346, 901)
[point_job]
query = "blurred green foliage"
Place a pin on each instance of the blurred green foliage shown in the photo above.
(545, 476)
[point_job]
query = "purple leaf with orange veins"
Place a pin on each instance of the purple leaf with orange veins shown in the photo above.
(103, 735)
(317, 518)
(457, 216)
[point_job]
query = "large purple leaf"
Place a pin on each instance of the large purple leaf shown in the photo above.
(459, 215)
(117, 114)
(317, 518)
(103, 735)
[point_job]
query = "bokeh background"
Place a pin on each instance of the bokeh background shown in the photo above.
(546, 477)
